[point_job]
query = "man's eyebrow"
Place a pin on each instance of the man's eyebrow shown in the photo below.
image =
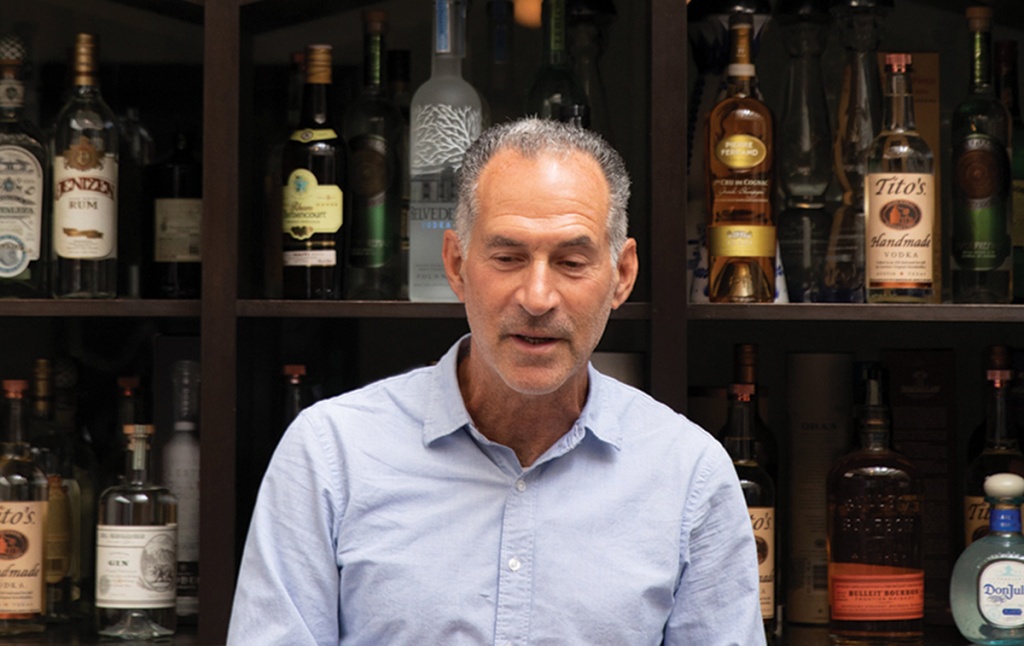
(497, 241)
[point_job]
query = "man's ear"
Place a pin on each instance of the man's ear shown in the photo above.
(451, 254)
(627, 268)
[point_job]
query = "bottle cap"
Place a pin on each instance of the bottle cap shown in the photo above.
(128, 382)
(318, 64)
(132, 430)
(1004, 485)
(375, 21)
(12, 50)
(294, 369)
(898, 61)
(15, 385)
(979, 18)
(84, 58)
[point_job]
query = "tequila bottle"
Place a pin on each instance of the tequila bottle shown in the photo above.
(901, 207)
(986, 591)
(136, 551)
(1008, 90)
(980, 249)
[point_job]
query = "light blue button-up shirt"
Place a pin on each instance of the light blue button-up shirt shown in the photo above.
(386, 518)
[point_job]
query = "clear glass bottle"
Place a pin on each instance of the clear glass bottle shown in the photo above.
(741, 235)
(986, 590)
(587, 25)
(738, 436)
(1008, 90)
(181, 474)
(1001, 452)
(446, 118)
(901, 206)
(176, 223)
(980, 252)
(24, 496)
(373, 129)
(24, 185)
(85, 184)
(136, 569)
(875, 534)
(804, 150)
(314, 167)
(555, 85)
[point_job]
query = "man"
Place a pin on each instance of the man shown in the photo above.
(510, 494)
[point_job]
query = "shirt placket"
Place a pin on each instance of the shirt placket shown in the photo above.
(515, 563)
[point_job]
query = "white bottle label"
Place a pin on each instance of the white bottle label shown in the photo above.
(85, 203)
(1001, 593)
(22, 537)
(136, 566)
(178, 231)
(899, 222)
(21, 209)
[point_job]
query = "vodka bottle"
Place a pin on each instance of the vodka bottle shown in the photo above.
(445, 120)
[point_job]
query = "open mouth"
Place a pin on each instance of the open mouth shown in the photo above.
(534, 340)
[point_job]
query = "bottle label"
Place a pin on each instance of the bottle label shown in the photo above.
(136, 566)
(310, 207)
(21, 209)
(1001, 593)
(881, 597)
(22, 536)
(981, 193)
(12, 93)
(741, 151)
(741, 241)
(313, 134)
(310, 258)
(763, 521)
(85, 203)
(899, 223)
(373, 237)
(976, 518)
(178, 233)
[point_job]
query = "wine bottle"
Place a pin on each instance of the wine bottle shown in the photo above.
(446, 118)
(85, 180)
(373, 128)
(24, 185)
(314, 167)
(136, 551)
(176, 213)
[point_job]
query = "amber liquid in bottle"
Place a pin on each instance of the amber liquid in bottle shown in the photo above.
(739, 182)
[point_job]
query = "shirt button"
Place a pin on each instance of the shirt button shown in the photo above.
(514, 564)
(520, 486)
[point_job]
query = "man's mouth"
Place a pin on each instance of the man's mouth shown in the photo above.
(534, 340)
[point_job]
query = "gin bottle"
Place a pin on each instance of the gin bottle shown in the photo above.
(24, 185)
(136, 550)
(900, 215)
(85, 184)
(980, 249)
(986, 591)
(445, 119)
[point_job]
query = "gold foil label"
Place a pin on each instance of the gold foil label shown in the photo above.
(741, 151)
(309, 134)
(310, 207)
(741, 240)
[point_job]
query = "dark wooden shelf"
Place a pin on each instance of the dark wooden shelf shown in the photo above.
(384, 309)
(118, 307)
(190, 11)
(944, 313)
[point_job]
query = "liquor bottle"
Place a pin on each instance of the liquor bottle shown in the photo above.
(296, 396)
(587, 24)
(24, 495)
(738, 436)
(1001, 452)
(135, 570)
(181, 474)
(875, 539)
(24, 185)
(803, 151)
(981, 251)
(445, 119)
(401, 95)
(503, 97)
(373, 128)
(136, 153)
(85, 181)
(739, 151)
(1008, 90)
(986, 591)
(555, 85)
(314, 167)
(900, 202)
(130, 410)
(176, 214)
(858, 123)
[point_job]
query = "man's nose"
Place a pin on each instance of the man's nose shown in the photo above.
(538, 293)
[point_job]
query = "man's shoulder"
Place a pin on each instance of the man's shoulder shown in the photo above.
(640, 412)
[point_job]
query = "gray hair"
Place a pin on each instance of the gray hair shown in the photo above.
(530, 137)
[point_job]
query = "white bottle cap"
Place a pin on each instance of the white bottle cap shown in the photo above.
(1004, 485)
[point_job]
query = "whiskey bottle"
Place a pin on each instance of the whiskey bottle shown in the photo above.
(136, 551)
(875, 539)
(85, 181)
(900, 202)
(24, 496)
(738, 436)
(24, 185)
(181, 473)
(176, 215)
(1001, 452)
(373, 127)
(445, 119)
(1008, 90)
(555, 85)
(739, 151)
(314, 168)
(986, 591)
(981, 250)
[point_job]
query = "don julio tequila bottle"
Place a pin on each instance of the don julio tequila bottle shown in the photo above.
(738, 179)
(901, 205)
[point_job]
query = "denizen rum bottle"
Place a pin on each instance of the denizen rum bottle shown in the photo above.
(314, 167)
(85, 176)
(739, 153)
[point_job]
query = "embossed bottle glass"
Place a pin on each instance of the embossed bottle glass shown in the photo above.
(445, 119)
(136, 550)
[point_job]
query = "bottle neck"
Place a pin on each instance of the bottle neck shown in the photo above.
(12, 93)
(139, 458)
(554, 32)
(449, 37)
(997, 417)
(740, 74)
(899, 103)
(1004, 518)
(981, 62)
(16, 413)
(315, 105)
(739, 436)
(373, 62)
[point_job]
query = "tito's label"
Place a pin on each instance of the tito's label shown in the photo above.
(899, 222)
(85, 203)
(881, 597)
(22, 536)
(741, 151)
(310, 207)
(763, 521)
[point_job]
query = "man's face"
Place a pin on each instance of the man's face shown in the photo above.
(538, 278)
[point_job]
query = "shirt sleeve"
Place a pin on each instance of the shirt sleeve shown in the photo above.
(717, 602)
(287, 590)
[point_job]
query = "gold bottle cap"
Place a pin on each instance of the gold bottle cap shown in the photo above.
(318, 64)
(132, 430)
(84, 59)
(375, 21)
